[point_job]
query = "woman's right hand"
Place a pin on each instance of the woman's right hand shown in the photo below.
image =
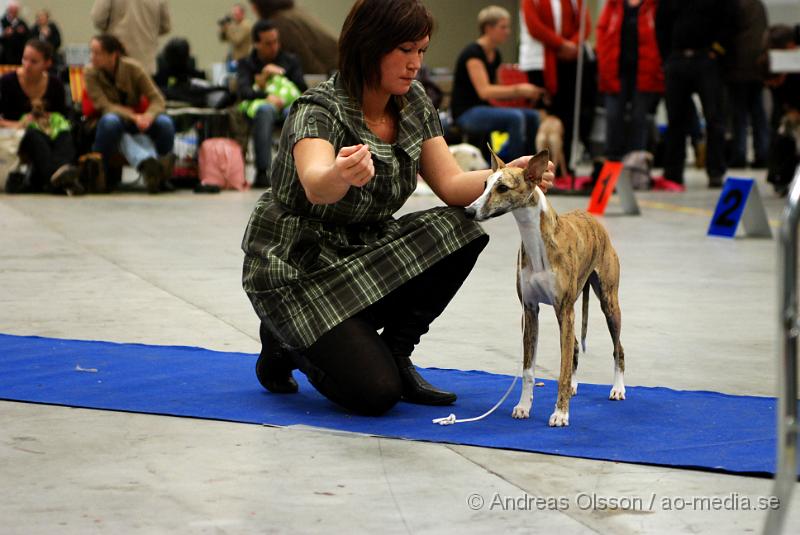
(530, 91)
(354, 165)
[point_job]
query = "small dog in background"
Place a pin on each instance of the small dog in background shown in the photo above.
(468, 157)
(550, 136)
(639, 163)
(39, 116)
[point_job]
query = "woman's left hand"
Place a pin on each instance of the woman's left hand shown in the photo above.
(547, 177)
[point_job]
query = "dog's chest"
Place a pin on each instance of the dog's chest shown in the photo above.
(537, 279)
(537, 286)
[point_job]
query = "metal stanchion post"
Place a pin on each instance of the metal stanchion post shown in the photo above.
(573, 153)
(789, 330)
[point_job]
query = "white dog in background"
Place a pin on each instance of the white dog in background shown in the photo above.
(468, 157)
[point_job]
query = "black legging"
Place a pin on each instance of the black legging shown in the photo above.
(354, 366)
(46, 155)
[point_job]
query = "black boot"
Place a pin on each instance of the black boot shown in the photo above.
(417, 390)
(274, 372)
(274, 366)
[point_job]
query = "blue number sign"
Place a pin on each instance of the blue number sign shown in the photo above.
(730, 207)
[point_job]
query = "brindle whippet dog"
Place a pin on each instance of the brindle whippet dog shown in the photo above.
(560, 257)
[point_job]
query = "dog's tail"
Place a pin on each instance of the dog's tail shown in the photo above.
(584, 315)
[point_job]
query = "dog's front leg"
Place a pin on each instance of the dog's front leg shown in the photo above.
(566, 322)
(530, 335)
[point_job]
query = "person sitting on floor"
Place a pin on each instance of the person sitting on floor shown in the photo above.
(267, 81)
(117, 87)
(32, 99)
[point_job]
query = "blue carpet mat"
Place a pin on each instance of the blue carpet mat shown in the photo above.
(659, 426)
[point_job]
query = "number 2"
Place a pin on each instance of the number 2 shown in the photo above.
(735, 198)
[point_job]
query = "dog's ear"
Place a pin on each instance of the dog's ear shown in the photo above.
(497, 163)
(537, 166)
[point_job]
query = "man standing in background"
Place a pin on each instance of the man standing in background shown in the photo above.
(693, 38)
(137, 23)
(235, 30)
(301, 34)
(14, 36)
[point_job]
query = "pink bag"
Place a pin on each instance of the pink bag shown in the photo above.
(221, 164)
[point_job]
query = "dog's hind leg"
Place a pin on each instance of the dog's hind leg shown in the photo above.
(607, 291)
(530, 336)
(566, 317)
(574, 380)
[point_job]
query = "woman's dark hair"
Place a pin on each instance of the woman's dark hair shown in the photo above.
(260, 27)
(267, 8)
(110, 43)
(43, 47)
(374, 28)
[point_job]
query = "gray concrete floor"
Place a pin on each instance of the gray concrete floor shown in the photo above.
(699, 313)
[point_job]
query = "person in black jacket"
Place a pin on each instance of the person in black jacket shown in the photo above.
(748, 66)
(46, 30)
(693, 37)
(253, 74)
(15, 33)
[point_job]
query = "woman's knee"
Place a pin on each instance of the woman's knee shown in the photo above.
(164, 124)
(375, 398)
(367, 394)
(110, 121)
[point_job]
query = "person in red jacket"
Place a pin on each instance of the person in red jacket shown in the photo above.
(629, 72)
(556, 24)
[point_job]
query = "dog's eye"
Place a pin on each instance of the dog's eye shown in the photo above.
(502, 188)
(484, 185)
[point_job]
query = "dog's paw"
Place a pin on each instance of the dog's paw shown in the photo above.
(559, 419)
(617, 393)
(521, 412)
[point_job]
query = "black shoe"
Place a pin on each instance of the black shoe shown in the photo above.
(418, 390)
(274, 371)
(206, 188)
(92, 174)
(153, 173)
(167, 186)
(67, 178)
(261, 179)
(715, 182)
(15, 183)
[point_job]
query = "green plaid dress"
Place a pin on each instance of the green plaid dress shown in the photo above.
(307, 268)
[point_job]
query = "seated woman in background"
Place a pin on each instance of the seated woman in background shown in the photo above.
(32, 99)
(475, 82)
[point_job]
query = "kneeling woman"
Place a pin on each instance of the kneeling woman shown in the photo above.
(32, 99)
(326, 264)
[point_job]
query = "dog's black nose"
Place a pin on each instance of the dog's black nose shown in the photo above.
(470, 213)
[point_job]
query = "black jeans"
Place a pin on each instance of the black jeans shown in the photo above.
(354, 366)
(684, 76)
(45, 155)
